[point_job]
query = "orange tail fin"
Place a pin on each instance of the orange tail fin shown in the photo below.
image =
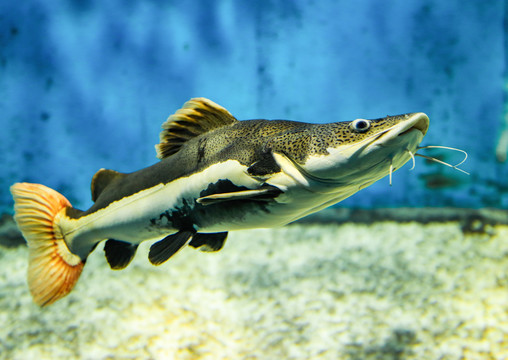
(52, 269)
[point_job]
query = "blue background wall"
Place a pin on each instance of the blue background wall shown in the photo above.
(87, 84)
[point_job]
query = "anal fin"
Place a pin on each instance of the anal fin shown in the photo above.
(119, 253)
(162, 250)
(209, 242)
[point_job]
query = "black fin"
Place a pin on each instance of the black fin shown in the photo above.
(119, 253)
(196, 117)
(266, 192)
(162, 250)
(102, 179)
(209, 242)
(264, 166)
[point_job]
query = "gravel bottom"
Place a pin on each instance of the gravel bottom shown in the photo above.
(380, 291)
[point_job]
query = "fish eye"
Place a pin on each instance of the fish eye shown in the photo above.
(360, 125)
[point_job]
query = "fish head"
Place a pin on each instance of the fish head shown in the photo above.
(357, 153)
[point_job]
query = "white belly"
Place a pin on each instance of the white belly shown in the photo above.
(161, 210)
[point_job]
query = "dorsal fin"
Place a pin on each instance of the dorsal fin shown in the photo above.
(102, 179)
(196, 117)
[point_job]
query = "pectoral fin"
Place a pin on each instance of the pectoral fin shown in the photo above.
(267, 192)
(162, 250)
(209, 242)
(119, 253)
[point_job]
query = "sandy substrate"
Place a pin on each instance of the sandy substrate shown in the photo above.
(381, 291)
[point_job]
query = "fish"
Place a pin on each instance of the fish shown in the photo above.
(216, 174)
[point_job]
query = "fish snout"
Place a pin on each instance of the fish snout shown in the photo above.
(416, 121)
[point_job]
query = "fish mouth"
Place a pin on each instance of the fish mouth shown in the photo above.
(411, 122)
(416, 121)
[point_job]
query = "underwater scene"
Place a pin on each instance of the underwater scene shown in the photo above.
(254, 179)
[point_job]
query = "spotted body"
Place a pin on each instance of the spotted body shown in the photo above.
(216, 174)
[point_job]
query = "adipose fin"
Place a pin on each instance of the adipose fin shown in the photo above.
(102, 179)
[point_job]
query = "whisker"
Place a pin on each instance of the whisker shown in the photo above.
(442, 162)
(447, 148)
(413, 158)
(391, 172)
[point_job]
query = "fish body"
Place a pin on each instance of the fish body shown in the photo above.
(216, 174)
